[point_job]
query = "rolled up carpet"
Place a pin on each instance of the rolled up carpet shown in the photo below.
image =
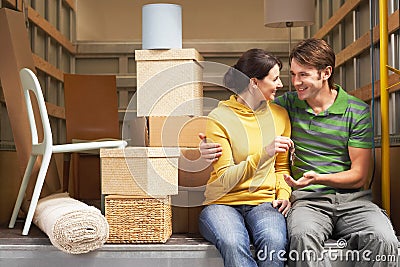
(71, 225)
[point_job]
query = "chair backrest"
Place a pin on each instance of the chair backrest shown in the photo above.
(31, 83)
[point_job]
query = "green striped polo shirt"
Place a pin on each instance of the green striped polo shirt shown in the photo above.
(321, 140)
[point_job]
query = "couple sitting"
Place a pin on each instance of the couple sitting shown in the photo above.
(250, 141)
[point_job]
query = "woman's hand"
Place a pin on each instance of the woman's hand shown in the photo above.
(281, 144)
(283, 204)
(209, 151)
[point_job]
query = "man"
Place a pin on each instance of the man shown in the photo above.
(333, 139)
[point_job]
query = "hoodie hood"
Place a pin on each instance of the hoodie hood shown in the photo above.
(240, 108)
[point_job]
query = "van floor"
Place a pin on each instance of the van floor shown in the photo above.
(36, 250)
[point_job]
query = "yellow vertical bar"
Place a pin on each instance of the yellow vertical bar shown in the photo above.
(385, 148)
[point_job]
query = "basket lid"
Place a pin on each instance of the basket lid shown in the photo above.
(168, 54)
(140, 152)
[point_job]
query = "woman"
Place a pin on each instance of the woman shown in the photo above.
(246, 195)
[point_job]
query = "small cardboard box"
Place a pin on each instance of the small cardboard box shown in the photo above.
(176, 131)
(138, 219)
(140, 171)
(169, 82)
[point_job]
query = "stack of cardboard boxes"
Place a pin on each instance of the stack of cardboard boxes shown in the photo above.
(175, 117)
(169, 170)
(137, 183)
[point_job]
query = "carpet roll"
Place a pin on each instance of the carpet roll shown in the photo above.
(72, 226)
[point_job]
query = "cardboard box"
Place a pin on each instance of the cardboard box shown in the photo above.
(181, 131)
(134, 130)
(10, 181)
(180, 212)
(186, 208)
(169, 82)
(139, 171)
(85, 176)
(193, 218)
(194, 172)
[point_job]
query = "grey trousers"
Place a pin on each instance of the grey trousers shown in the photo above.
(352, 218)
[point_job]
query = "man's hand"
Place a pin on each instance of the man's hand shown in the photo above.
(283, 204)
(308, 178)
(209, 151)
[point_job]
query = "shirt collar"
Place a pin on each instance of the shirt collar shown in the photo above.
(341, 102)
(338, 107)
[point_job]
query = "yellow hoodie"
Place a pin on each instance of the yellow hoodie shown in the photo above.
(245, 174)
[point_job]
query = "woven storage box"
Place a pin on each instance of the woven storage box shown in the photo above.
(140, 171)
(138, 220)
(168, 82)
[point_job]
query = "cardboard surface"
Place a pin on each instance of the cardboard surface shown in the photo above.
(176, 131)
(193, 170)
(186, 208)
(135, 130)
(87, 169)
(91, 107)
(91, 113)
(180, 212)
(15, 54)
(10, 177)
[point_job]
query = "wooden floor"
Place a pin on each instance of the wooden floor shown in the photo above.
(36, 250)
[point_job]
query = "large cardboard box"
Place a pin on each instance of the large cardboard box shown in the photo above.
(85, 176)
(10, 181)
(176, 131)
(194, 171)
(180, 212)
(139, 171)
(169, 82)
(15, 54)
(186, 208)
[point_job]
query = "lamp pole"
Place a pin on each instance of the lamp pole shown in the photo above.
(289, 24)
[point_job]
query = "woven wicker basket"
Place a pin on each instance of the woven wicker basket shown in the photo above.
(139, 171)
(138, 220)
(168, 82)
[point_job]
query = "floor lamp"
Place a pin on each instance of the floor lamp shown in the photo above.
(288, 14)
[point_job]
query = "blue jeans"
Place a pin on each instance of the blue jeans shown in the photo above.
(232, 228)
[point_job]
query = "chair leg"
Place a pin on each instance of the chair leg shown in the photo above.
(36, 192)
(22, 189)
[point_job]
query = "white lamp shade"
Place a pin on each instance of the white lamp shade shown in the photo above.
(161, 26)
(289, 13)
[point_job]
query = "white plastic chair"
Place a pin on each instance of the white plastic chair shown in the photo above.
(45, 148)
